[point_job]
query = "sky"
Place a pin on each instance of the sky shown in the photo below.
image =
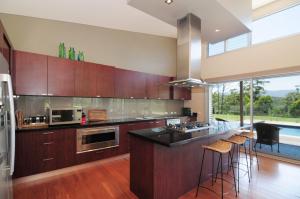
(283, 83)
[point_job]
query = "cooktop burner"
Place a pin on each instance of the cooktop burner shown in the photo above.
(188, 127)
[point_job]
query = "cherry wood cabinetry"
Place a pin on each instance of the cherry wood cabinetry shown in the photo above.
(40, 151)
(139, 85)
(85, 79)
(61, 76)
(5, 47)
(124, 128)
(105, 82)
(123, 79)
(181, 93)
(164, 90)
(152, 82)
(30, 73)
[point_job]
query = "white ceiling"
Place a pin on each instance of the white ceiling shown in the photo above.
(260, 3)
(214, 14)
(115, 14)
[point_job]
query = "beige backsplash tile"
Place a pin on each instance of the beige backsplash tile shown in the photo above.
(116, 108)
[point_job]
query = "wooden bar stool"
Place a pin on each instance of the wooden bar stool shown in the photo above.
(221, 148)
(238, 141)
(250, 136)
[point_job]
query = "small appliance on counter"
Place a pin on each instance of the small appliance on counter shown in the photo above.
(59, 116)
(96, 115)
(39, 121)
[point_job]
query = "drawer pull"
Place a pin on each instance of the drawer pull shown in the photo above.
(48, 159)
(48, 143)
(47, 133)
(157, 122)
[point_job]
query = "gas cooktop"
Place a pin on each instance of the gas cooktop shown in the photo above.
(186, 127)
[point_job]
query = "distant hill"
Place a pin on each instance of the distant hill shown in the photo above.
(279, 93)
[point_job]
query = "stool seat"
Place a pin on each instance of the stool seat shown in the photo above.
(236, 139)
(248, 134)
(219, 146)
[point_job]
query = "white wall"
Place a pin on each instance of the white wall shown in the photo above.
(135, 51)
(270, 56)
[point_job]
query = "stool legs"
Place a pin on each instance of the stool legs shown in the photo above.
(247, 162)
(256, 156)
(200, 172)
(230, 157)
(222, 175)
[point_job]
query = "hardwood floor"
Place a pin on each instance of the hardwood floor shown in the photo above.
(110, 179)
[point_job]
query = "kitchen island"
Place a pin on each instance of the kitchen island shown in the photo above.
(165, 164)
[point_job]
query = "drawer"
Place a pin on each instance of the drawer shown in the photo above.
(47, 136)
(47, 164)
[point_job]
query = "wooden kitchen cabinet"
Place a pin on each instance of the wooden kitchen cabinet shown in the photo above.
(61, 76)
(138, 85)
(123, 79)
(164, 90)
(152, 82)
(30, 73)
(85, 79)
(41, 151)
(105, 81)
(125, 128)
(181, 93)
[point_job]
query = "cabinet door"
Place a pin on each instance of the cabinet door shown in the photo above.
(61, 76)
(65, 148)
(164, 91)
(152, 82)
(181, 93)
(123, 82)
(138, 85)
(85, 79)
(30, 73)
(105, 82)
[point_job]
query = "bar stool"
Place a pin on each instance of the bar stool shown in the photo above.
(238, 141)
(221, 148)
(250, 137)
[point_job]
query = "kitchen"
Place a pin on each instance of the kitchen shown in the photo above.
(133, 100)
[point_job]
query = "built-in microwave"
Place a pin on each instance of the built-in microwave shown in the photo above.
(89, 139)
(65, 116)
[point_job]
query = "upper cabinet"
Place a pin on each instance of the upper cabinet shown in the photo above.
(5, 46)
(181, 93)
(30, 73)
(105, 81)
(85, 79)
(46, 75)
(164, 90)
(61, 76)
(152, 82)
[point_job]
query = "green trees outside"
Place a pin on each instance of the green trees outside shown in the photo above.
(226, 100)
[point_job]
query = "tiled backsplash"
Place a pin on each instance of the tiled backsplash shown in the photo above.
(116, 108)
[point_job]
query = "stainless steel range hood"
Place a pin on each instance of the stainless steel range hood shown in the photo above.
(188, 52)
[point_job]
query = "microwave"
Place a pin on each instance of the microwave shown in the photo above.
(59, 116)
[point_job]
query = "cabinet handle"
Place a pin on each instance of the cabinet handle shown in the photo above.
(157, 122)
(48, 143)
(44, 94)
(131, 97)
(47, 133)
(48, 159)
(50, 94)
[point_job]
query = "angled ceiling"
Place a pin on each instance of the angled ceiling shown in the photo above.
(214, 14)
(229, 16)
(114, 14)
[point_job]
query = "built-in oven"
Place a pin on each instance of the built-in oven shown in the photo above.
(59, 116)
(89, 139)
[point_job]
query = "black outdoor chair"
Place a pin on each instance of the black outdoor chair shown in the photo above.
(267, 134)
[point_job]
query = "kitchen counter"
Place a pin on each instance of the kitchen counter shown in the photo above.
(165, 164)
(171, 138)
(100, 123)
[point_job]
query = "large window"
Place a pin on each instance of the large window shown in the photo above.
(233, 43)
(277, 25)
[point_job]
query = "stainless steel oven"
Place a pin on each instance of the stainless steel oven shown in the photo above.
(89, 139)
(65, 116)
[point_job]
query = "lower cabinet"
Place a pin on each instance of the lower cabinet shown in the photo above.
(40, 151)
(125, 128)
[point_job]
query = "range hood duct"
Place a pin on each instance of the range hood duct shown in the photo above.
(188, 52)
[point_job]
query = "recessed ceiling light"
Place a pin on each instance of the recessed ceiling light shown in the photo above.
(217, 30)
(168, 2)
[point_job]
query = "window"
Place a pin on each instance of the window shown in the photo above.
(240, 41)
(217, 48)
(233, 43)
(277, 25)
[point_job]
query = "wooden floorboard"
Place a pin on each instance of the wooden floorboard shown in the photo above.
(110, 179)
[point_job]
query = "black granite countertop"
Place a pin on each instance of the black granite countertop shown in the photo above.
(171, 138)
(100, 123)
